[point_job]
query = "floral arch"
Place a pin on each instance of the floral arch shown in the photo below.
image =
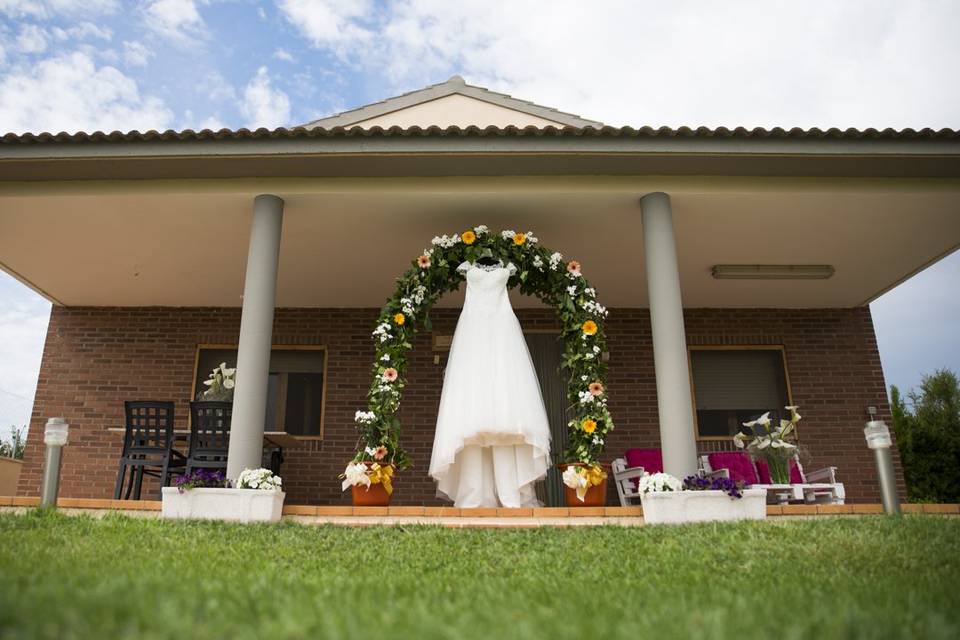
(540, 272)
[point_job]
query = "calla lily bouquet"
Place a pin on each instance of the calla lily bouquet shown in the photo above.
(220, 384)
(773, 443)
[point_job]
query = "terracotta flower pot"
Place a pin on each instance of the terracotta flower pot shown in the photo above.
(373, 496)
(596, 496)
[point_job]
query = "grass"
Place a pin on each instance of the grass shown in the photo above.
(63, 577)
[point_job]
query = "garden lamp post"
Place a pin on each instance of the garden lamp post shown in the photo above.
(55, 437)
(878, 439)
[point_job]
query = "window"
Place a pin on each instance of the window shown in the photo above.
(733, 386)
(294, 388)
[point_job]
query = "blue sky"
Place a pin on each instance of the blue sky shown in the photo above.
(155, 64)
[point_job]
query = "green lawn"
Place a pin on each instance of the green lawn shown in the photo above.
(847, 577)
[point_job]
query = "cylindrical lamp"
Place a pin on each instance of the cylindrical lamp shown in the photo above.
(878, 439)
(54, 437)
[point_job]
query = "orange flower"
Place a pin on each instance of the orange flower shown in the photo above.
(468, 237)
(519, 238)
(573, 268)
(399, 319)
(380, 453)
(589, 425)
(589, 327)
(390, 374)
(596, 388)
(423, 262)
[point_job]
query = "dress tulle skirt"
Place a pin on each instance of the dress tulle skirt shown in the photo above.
(492, 441)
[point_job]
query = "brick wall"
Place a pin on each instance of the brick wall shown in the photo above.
(95, 358)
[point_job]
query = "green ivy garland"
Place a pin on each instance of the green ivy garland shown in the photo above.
(540, 272)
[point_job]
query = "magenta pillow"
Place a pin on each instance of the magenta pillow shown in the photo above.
(796, 473)
(739, 464)
(650, 459)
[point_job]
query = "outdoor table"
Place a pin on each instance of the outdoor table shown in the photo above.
(277, 440)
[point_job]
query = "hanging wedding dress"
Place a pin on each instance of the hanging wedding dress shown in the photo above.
(492, 442)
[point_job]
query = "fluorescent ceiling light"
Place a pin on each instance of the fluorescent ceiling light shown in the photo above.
(772, 271)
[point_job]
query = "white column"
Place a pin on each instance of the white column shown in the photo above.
(669, 338)
(256, 335)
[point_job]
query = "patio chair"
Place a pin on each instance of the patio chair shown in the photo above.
(209, 435)
(816, 487)
(147, 446)
(628, 469)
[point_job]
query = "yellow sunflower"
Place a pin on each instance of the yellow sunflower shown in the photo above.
(468, 237)
(519, 238)
(589, 425)
(589, 327)
(399, 319)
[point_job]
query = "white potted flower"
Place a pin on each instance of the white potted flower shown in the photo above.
(205, 495)
(666, 500)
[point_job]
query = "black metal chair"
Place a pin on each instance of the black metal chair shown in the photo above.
(147, 446)
(209, 435)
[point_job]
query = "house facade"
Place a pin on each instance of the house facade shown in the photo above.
(737, 267)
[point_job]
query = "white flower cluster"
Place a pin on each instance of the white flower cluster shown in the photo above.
(481, 230)
(385, 357)
(445, 241)
(538, 262)
(572, 290)
(594, 307)
(507, 234)
(555, 259)
(586, 397)
(656, 482)
(597, 440)
(382, 332)
(262, 479)
(531, 239)
(413, 301)
(594, 354)
(364, 417)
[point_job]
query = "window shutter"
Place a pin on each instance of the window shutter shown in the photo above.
(736, 380)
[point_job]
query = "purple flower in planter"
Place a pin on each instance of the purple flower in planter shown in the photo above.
(698, 483)
(201, 478)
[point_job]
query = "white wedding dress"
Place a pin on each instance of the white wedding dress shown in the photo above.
(492, 442)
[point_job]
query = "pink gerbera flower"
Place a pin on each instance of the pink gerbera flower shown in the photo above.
(423, 262)
(380, 453)
(573, 268)
(596, 388)
(389, 374)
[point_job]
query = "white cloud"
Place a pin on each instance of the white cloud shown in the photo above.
(753, 62)
(334, 24)
(70, 93)
(283, 54)
(32, 39)
(176, 19)
(45, 9)
(82, 31)
(23, 325)
(135, 54)
(264, 106)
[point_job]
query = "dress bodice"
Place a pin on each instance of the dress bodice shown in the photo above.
(487, 290)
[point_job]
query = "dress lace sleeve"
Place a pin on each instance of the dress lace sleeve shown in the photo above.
(512, 268)
(465, 266)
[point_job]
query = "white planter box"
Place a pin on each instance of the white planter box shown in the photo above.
(675, 507)
(232, 505)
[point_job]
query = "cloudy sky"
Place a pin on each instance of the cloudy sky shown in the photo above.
(69, 65)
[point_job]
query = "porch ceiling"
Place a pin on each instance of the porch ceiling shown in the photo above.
(184, 243)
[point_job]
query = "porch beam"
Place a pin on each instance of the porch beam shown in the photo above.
(256, 336)
(674, 404)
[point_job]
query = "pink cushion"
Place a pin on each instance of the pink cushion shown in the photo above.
(738, 463)
(796, 473)
(650, 459)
